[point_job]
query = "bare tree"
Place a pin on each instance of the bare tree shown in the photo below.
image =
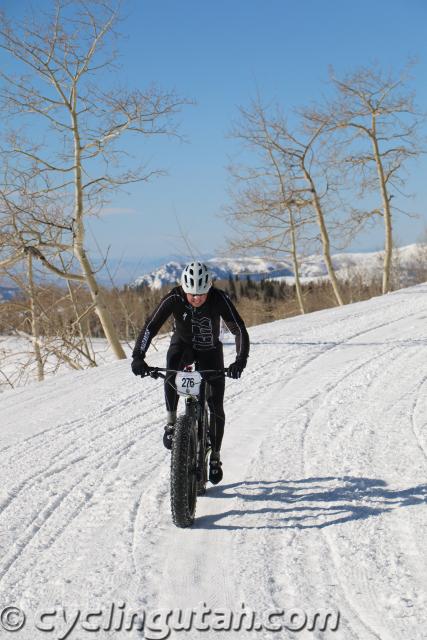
(290, 188)
(375, 108)
(57, 178)
(264, 221)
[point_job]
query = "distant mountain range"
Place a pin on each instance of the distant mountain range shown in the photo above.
(311, 268)
(257, 268)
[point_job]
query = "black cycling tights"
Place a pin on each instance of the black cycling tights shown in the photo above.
(179, 355)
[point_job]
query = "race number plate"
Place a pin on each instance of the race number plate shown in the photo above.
(188, 383)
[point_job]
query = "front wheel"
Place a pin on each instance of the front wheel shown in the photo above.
(184, 472)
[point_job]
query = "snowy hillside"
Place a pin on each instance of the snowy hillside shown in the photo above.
(322, 506)
(312, 267)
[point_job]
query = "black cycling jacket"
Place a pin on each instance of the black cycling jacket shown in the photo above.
(199, 327)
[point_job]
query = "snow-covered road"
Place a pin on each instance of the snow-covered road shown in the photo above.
(322, 506)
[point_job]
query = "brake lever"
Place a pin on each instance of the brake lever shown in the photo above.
(156, 373)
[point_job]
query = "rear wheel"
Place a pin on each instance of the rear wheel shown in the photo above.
(184, 472)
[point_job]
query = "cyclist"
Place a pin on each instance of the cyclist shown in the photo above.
(197, 308)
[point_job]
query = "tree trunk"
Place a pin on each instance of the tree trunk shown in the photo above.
(388, 241)
(35, 332)
(80, 253)
(291, 225)
(100, 306)
(324, 238)
(295, 263)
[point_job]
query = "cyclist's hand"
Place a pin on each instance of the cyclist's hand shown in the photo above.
(235, 369)
(140, 367)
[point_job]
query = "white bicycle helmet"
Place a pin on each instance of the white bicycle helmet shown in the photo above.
(196, 279)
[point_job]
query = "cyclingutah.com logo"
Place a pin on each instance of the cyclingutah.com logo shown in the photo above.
(61, 622)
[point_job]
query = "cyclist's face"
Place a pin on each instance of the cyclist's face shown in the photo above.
(197, 300)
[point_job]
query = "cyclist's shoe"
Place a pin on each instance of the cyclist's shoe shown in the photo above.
(215, 471)
(168, 436)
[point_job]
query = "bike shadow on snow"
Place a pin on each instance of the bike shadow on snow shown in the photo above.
(309, 503)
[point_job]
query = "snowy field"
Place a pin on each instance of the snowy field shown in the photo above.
(322, 506)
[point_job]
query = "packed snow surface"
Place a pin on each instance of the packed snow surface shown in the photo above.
(322, 506)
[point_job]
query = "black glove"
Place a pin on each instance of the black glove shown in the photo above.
(140, 367)
(235, 369)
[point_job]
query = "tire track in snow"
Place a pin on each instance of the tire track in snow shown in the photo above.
(47, 473)
(334, 555)
(58, 456)
(21, 447)
(348, 340)
(331, 387)
(346, 592)
(149, 469)
(43, 518)
(417, 435)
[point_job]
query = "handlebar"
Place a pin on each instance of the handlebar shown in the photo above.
(160, 372)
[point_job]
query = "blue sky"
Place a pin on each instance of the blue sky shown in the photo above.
(219, 54)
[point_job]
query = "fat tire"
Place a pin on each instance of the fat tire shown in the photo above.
(183, 472)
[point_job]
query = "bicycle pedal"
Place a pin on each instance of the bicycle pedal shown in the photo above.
(168, 436)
